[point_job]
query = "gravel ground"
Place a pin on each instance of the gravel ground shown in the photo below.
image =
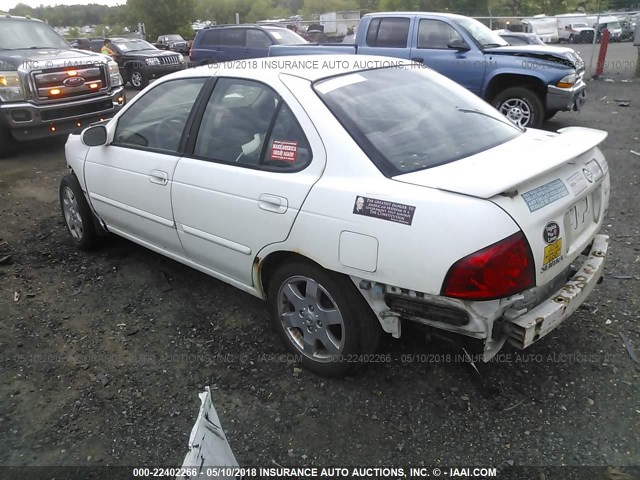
(102, 354)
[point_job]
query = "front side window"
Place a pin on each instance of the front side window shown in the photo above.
(257, 39)
(247, 123)
(408, 120)
(157, 120)
(391, 32)
(436, 34)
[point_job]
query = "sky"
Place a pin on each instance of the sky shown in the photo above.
(9, 4)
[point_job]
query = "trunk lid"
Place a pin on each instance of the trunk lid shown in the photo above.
(554, 186)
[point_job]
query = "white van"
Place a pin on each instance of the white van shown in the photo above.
(545, 27)
(612, 24)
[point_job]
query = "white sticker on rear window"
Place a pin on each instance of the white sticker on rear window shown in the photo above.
(545, 194)
(343, 81)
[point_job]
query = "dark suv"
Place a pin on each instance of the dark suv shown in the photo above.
(173, 42)
(139, 61)
(234, 42)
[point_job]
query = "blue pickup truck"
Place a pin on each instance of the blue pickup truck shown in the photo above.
(529, 84)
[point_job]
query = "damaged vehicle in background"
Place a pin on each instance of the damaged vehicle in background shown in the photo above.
(352, 199)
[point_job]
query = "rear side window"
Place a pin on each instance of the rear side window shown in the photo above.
(391, 32)
(246, 123)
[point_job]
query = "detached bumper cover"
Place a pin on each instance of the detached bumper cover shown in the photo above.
(535, 324)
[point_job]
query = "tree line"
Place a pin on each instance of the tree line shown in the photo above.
(175, 16)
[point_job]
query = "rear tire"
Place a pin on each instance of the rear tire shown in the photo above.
(321, 317)
(77, 214)
(520, 105)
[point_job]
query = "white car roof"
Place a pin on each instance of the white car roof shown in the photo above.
(309, 67)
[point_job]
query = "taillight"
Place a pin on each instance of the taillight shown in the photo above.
(500, 270)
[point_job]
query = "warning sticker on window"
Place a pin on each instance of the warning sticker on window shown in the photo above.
(284, 151)
(384, 210)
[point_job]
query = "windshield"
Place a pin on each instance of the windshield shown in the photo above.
(483, 35)
(132, 45)
(284, 36)
(580, 25)
(409, 120)
(173, 37)
(18, 33)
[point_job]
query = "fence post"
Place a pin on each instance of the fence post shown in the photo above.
(604, 43)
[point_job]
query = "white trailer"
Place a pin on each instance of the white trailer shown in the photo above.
(339, 24)
(545, 27)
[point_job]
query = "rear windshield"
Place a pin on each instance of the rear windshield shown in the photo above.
(412, 119)
(285, 36)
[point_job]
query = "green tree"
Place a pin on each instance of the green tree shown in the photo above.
(162, 16)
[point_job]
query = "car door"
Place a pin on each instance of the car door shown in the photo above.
(129, 180)
(433, 46)
(249, 169)
(235, 43)
(387, 36)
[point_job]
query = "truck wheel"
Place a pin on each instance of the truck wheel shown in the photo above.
(322, 318)
(77, 214)
(6, 143)
(520, 105)
(138, 79)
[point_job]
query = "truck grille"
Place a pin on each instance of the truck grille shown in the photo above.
(70, 82)
(170, 60)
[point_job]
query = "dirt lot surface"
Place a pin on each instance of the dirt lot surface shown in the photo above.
(102, 354)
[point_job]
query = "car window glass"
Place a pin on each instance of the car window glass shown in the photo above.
(158, 118)
(234, 37)
(236, 123)
(257, 39)
(212, 37)
(287, 148)
(436, 34)
(389, 32)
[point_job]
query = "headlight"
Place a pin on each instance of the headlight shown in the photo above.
(114, 74)
(152, 61)
(10, 87)
(567, 82)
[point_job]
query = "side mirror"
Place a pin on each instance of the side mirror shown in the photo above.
(460, 45)
(95, 136)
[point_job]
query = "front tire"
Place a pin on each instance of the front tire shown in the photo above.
(77, 214)
(6, 143)
(520, 105)
(321, 317)
(138, 79)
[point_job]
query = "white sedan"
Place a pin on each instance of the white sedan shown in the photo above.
(352, 197)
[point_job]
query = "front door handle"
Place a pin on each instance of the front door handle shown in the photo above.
(417, 59)
(273, 203)
(159, 177)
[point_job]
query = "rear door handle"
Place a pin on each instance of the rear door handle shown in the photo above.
(273, 203)
(159, 177)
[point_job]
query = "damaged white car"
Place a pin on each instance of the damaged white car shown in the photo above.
(352, 197)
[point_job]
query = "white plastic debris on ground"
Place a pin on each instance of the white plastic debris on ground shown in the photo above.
(208, 446)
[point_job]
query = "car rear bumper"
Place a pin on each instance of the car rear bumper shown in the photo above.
(562, 99)
(536, 323)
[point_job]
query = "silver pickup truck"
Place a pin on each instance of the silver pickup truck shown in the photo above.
(48, 88)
